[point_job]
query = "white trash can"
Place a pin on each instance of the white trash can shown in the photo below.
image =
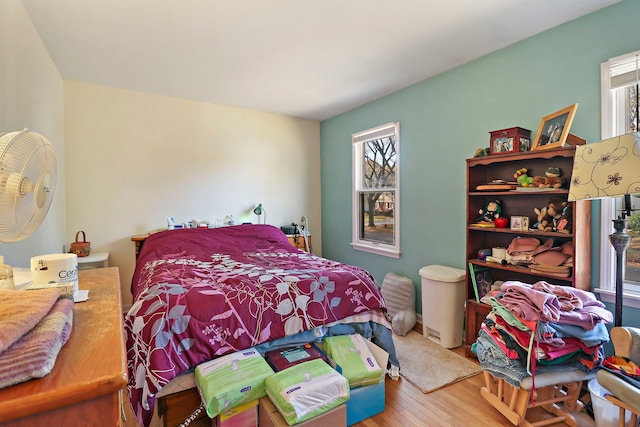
(443, 297)
(605, 413)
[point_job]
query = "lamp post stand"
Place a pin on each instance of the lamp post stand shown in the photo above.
(620, 241)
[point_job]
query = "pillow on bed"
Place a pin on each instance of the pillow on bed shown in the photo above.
(400, 297)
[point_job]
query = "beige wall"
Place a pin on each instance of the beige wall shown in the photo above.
(31, 96)
(134, 158)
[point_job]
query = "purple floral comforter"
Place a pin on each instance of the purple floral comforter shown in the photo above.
(202, 293)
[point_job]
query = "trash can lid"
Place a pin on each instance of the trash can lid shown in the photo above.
(442, 273)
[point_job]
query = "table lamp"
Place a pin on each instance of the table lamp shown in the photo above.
(259, 210)
(610, 168)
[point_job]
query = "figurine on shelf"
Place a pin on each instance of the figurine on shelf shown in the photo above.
(551, 179)
(560, 212)
(492, 211)
(522, 178)
(481, 152)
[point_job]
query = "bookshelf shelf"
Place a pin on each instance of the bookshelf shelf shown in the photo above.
(521, 203)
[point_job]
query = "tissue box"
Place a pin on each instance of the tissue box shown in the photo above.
(287, 357)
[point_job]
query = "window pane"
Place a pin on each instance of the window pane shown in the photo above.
(377, 217)
(627, 113)
(379, 163)
(632, 270)
(376, 190)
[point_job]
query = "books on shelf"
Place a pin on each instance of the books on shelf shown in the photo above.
(481, 279)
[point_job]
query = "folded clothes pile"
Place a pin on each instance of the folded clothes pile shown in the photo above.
(541, 328)
(34, 325)
(544, 258)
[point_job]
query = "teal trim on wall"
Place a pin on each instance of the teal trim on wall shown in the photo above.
(444, 119)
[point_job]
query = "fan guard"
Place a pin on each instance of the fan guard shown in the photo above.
(27, 183)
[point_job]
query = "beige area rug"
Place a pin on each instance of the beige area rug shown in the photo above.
(428, 365)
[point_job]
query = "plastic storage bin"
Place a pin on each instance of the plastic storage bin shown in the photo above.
(443, 297)
(605, 413)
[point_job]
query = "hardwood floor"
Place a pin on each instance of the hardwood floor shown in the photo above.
(459, 404)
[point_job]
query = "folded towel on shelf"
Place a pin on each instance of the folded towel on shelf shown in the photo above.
(34, 354)
(20, 311)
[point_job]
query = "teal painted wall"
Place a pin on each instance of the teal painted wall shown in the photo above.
(444, 119)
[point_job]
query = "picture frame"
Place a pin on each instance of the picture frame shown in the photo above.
(516, 223)
(554, 129)
(520, 223)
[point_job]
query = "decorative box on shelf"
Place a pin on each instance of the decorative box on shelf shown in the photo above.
(511, 140)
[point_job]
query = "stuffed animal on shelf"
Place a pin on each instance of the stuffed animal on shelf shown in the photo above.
(544, 220)
(554, 179)
(481, 152)
(539, 181)
(560, 213)
(492, 211)
(522, 178)
(551, 179)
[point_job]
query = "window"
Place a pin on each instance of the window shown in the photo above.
(619, 82)
(376, 190)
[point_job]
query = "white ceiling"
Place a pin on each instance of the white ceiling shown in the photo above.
(311, 59)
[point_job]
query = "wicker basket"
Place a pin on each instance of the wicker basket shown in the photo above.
(81, 248)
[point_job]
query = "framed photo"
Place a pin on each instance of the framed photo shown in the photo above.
(554, 128)
(520, 223)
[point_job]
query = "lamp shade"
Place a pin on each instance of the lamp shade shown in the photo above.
(608, 168)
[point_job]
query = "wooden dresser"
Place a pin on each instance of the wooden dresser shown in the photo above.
(90, 371)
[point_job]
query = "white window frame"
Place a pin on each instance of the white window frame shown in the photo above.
(358, 141)
(610, 128)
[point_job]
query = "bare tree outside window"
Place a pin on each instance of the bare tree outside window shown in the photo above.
(376, 190)
(379, 173)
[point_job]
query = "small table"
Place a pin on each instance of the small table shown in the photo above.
(298, 241)
(93, 260)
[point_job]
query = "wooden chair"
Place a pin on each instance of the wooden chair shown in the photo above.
(626, 342)
(551, 389)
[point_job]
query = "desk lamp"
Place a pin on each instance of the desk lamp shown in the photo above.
(259, 210)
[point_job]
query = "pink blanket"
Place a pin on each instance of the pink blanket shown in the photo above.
(202, 293)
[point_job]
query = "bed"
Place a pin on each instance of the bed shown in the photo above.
(202, 293)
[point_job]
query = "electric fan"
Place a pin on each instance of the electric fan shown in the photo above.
(27, 183)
